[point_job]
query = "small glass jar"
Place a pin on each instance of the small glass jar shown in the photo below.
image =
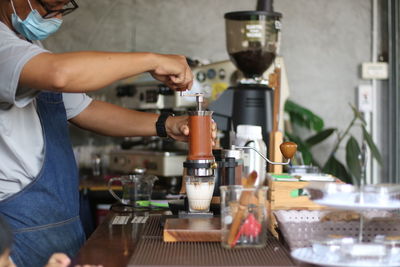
(243, 216)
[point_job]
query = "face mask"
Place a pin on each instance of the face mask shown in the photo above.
(34, 27)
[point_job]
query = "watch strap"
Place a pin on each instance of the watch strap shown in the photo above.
(160, 124)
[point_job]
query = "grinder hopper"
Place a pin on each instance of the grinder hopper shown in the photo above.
(252, 40)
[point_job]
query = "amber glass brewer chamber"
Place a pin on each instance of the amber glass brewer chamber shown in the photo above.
(200, 175)
(200, 139)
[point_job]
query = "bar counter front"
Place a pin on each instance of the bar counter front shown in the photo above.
(136, 239)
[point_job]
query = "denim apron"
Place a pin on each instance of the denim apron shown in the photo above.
(44, 216)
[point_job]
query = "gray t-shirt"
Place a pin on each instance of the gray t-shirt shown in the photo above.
(21, 137)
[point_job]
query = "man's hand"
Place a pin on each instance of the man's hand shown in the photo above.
(58, 260)
(178, 129)
(173, 71)
(62, 260)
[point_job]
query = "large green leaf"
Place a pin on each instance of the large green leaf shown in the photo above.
(374, 150)
(337, 169)
(352, 158)
(297, 119)
(303, 116)
(307, 156)
(320, 136)
(293, 138)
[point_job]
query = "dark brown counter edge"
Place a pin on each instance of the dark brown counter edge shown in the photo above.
(109, 245)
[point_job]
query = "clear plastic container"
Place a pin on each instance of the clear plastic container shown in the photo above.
(349, 197)
(331, 247)
(330, 191)
(350, 251)
(392, 244)
(368, 253)
(379, 194)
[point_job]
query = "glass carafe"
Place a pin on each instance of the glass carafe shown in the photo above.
(136, 189)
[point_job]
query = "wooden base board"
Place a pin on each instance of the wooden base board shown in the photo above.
(192, 230)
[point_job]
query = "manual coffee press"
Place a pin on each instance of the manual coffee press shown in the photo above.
(200, 164)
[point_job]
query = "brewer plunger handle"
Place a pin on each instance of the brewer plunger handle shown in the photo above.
(288, 149)
(199, 99)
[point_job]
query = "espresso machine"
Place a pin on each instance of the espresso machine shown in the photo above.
(252, 39)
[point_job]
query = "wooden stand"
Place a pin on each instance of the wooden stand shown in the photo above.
(275, 140)
(192, 230)
(276, 137)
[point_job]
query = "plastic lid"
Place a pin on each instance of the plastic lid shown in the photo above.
(103, 206)
(249, 131)
(251, 15)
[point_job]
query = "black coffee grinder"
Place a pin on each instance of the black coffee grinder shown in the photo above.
(252, 39)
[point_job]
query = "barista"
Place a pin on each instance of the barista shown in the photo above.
(39, 93)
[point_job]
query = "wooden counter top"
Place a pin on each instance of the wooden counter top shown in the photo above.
(110, 245)
(98, 183)
(114, 245)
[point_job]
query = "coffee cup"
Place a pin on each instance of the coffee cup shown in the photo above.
(199, 191)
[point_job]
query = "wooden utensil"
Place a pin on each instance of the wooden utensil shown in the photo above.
(245, 199)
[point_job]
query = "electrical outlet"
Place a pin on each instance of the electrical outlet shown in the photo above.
(365, 98)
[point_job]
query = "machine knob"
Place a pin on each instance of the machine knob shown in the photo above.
(201, 76)
(288, 149)
(120, 160)
(126, 90)
(211, 74)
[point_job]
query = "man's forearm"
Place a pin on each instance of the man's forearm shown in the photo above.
(83, 71)
(111, 120)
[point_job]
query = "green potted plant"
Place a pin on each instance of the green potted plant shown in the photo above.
(351, 170)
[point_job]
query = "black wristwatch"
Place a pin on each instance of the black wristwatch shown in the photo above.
(160, 124)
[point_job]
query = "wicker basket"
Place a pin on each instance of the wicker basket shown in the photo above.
(300, 227)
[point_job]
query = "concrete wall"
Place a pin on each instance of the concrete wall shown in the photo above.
(323, 41)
